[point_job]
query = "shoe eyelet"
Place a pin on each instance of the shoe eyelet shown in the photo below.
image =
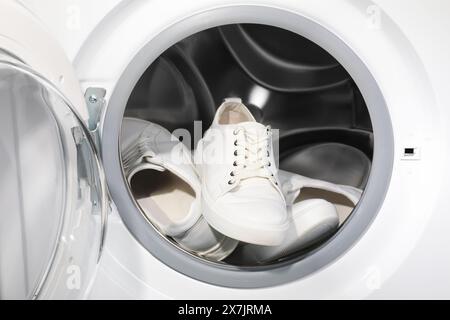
(269, 164)
(235, 132)
(230, 182)
(232, 173)
(235, 143)
(234, 164)
(235, 153)
(268, 154)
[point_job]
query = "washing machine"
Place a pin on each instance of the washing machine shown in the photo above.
(358, 89)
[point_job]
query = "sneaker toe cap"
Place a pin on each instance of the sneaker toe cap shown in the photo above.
(258, 208)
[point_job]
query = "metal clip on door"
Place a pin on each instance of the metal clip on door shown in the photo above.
(95, 101)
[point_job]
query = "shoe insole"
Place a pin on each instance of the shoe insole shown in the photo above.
(165, 198)
(344, 206)
(233, 116)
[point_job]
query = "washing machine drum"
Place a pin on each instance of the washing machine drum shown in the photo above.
(287, 82)
(51, 198)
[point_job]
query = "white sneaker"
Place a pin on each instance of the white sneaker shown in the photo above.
(241, 194)
(298, 188)
(311, 219)
(310, 222)
(166, 187)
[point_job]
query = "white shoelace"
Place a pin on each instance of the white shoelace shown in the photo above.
(252, 156)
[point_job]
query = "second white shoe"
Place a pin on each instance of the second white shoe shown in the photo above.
(163, 180)
(316, 208)
(241, 193)
(297, 188)
(310, 222)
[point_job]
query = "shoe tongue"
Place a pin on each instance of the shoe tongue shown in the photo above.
(253, 126)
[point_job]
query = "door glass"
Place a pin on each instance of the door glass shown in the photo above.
(52, 196)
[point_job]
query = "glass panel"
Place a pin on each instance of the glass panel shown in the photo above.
(52, 199)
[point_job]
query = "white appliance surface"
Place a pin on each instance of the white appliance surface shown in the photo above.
(404, 43)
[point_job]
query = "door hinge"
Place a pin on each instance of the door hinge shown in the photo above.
(95, 101)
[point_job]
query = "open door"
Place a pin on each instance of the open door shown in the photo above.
(53, 199)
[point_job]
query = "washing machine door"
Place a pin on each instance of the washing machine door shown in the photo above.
(53, 201)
